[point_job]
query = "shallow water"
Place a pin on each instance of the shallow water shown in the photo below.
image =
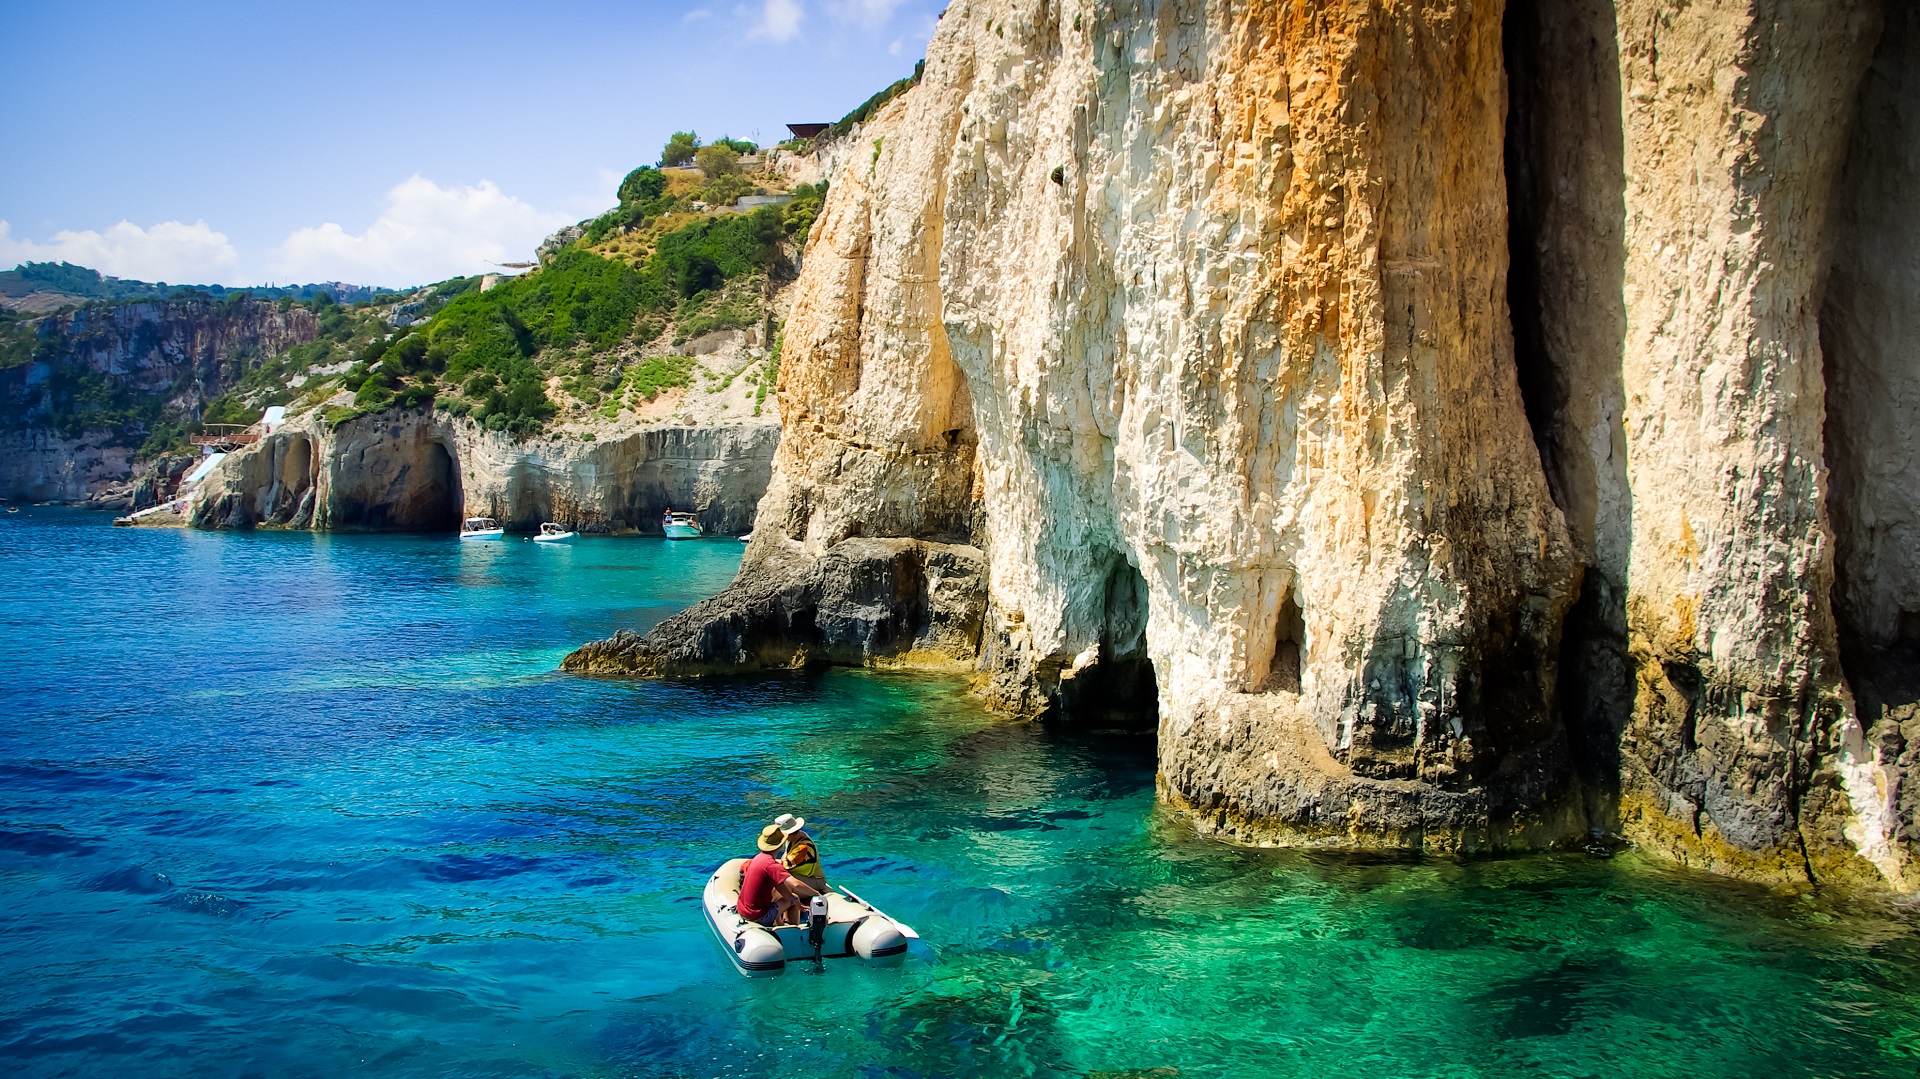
(283, 804)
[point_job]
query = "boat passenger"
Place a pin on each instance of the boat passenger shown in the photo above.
(802, 856)
(769, 895)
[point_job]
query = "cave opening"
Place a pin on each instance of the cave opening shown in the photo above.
(291, 501)
(1868, 321)
(1565, 163)
(296, 469)
(1289, 635)
(438, 501)
(1117, 690)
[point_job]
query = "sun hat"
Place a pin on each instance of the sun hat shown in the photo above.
(771, 838)
(789, 823)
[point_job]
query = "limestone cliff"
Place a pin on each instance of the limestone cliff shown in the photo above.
(72, 416)
(426, 470)
(1425, 405)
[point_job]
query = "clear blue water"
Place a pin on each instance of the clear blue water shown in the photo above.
(294, 805)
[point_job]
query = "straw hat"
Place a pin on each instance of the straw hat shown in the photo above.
(789, 823)
(771, 838)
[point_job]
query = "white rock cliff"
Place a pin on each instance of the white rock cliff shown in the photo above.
(1192, 323)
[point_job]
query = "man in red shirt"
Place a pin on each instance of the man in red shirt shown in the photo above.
(769, 895)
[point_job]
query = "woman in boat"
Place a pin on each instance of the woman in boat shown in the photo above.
(802, 856)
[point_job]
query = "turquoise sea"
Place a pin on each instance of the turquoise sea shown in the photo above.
(296, 805)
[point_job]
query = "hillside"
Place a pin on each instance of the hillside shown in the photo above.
(665, 310)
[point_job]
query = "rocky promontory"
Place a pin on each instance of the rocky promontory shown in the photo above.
(1456, 429)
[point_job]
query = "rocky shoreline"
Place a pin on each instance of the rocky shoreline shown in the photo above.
(425, 470)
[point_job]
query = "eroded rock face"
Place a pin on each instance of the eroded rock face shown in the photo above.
(427, 471)
(1677, 236)
(1870, 331)
(1197, 320)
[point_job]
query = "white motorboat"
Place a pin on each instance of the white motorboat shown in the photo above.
(850, 928)
(681, 526)
(553, 533)
(481, 528)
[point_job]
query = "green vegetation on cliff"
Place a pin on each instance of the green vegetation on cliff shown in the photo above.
(875, 103)
(498, 347)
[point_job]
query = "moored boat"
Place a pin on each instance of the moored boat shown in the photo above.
(481, 528)
(553, 533)
(681, 526)
(853, 929)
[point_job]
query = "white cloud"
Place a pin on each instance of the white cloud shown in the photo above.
(426, 233)
(696, 15)
(170, 251)
(779, 20)
(868, 13)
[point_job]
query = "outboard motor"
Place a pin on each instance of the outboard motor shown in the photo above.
(817, 925)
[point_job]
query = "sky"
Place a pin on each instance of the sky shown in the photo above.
(389, 143)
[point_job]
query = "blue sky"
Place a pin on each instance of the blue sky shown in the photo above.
(389, 143)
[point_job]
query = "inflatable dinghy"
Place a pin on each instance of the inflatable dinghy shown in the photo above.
(853, 929)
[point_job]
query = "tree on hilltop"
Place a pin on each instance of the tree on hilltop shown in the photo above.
(643, 184)
(680, 149)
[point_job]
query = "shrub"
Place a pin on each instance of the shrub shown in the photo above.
(165, 436)
(412, 355)
(707, 253)
(798, 216)
(657, 373)
(732, 313)
(375, 391)
(717, 160)
(229, 409)
(415, 396)
(770, 375)
(723, 189)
